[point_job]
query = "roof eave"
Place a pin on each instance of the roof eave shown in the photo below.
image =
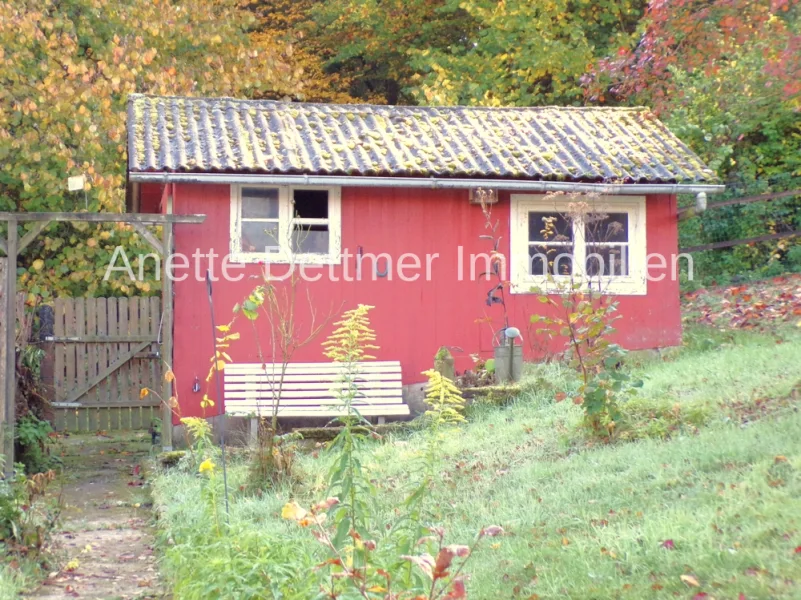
(428, 182)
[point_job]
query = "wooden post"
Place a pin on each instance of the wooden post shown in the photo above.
(166, 332)
(8, 371)
(3, 323)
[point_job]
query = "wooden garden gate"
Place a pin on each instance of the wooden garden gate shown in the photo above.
(104, 352)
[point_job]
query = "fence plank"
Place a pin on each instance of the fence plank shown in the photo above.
(69, 329)
(155, 321)
(103, 389)
(114, 349)
(136, 363)
(144, 329)
(125, 371)
(81, 349)
(59, 350)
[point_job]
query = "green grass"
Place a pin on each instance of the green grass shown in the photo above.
(11, 583)
(584, 520)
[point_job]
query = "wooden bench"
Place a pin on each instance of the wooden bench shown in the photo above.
(308, 390)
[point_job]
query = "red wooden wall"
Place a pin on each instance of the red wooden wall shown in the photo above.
(411, 319)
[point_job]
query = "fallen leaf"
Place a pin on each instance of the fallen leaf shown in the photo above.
(690, 580)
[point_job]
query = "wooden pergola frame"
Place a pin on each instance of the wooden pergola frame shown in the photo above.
(13, 245)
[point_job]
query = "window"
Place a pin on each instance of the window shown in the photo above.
(282, 223)
(603, 247)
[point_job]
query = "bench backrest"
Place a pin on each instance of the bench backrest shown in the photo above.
(309, 389)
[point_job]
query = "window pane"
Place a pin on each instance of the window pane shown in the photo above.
(550, 260)
(259, 237)
(310, 239)
(311, 204)
(259, 203)
(549, 226)
(606, 227)
(607, 261)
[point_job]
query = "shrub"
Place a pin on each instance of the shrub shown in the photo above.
(587, 325)
(27, 514)
(33, 435)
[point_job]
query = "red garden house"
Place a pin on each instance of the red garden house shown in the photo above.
(379, 205)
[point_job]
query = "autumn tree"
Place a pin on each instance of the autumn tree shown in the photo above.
(288, 25)
(66, 68)
(369, 44)
(523, 53)
(725, 75)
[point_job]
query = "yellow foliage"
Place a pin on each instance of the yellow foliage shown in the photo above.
(66, 70)
(444, 398)
(352, 338)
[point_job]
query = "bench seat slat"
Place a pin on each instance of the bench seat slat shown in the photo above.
(269, 387)
(329, 402)
(318, 365)
(316, 411)
(313, 378)
(255, 368)
(255, 397)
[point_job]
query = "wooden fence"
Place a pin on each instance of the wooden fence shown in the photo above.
(104, 351)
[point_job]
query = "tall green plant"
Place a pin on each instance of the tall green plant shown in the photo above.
(583, 316)
(368, 559)
(349, 344)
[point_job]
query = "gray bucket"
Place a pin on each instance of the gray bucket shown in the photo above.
(504, 371)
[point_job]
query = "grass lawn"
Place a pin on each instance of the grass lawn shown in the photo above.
(710, 490)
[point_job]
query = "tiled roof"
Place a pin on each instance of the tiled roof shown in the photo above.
(265, 137)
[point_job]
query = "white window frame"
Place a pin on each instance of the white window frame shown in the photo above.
(632, 284)
(286, 223)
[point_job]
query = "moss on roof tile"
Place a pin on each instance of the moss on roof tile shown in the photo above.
(260, 136)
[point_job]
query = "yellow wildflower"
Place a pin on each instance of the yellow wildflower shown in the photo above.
(207, 466)
(293, 511)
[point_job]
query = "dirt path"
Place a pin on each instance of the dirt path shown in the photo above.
(106, 539)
